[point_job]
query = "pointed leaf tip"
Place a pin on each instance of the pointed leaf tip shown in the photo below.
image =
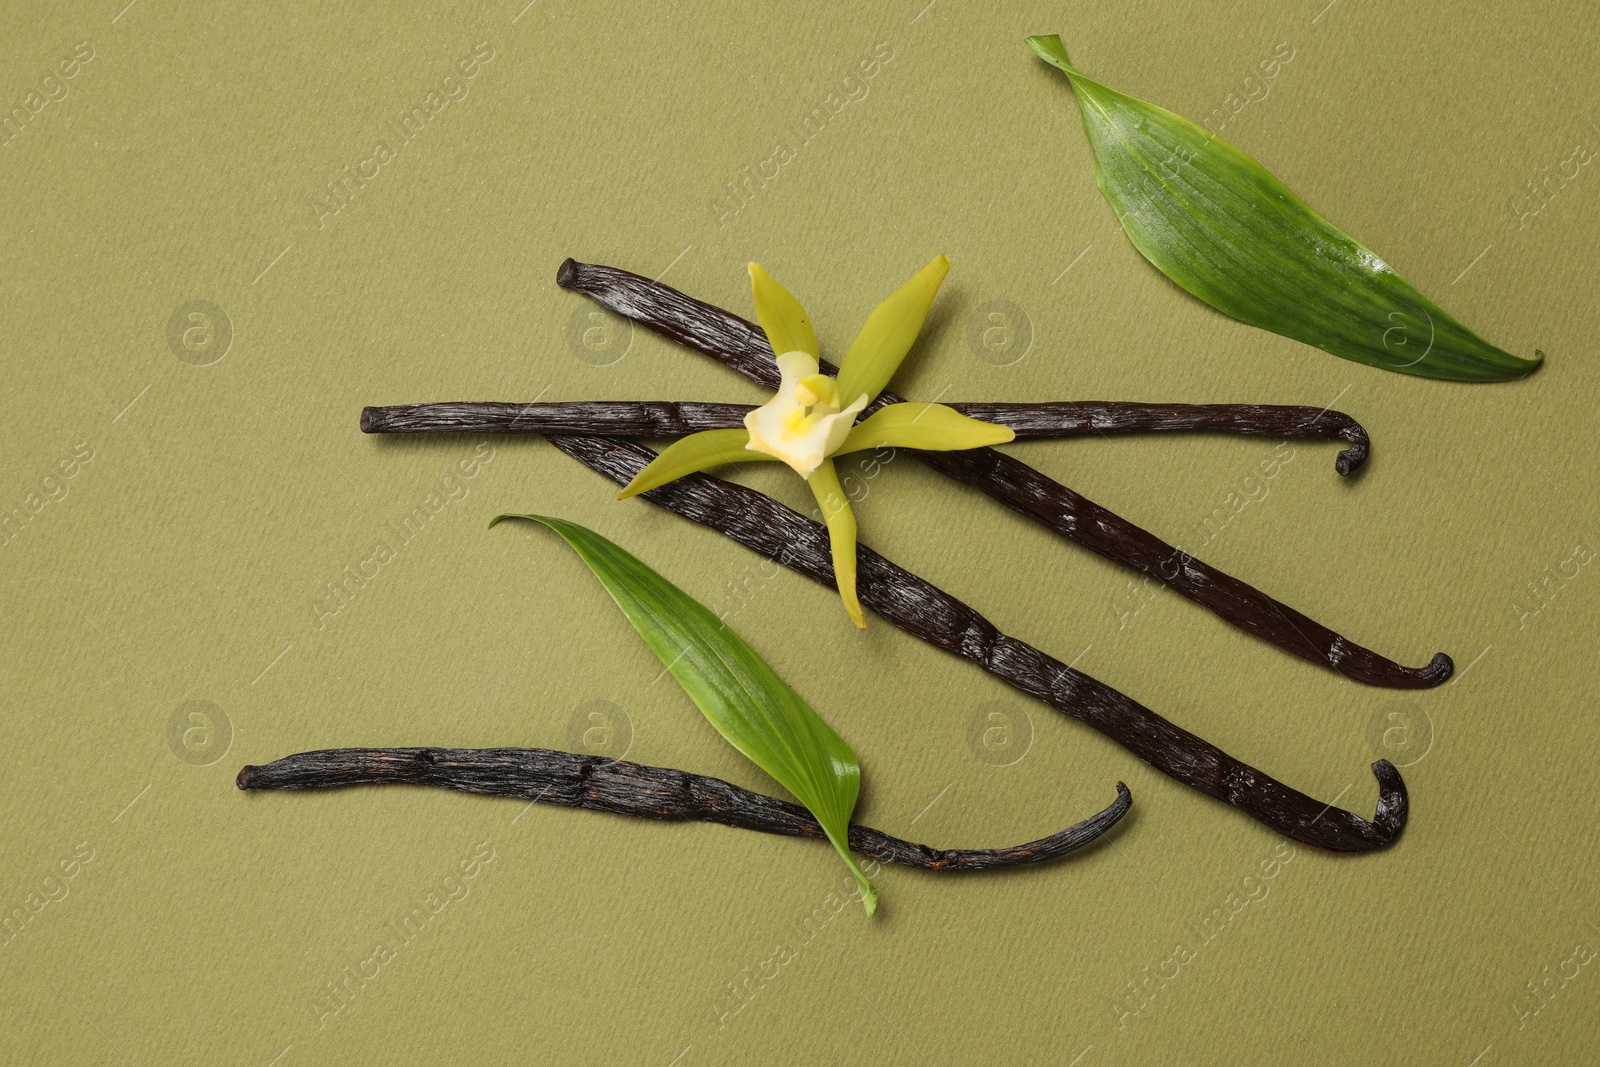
(1049, 48)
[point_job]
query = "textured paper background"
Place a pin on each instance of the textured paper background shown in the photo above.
(189, 559)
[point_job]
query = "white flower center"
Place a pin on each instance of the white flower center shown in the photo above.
(803, 424)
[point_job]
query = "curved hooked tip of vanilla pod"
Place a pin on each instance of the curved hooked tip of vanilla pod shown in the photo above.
(1056, 419)
(600, 784)
(925, 611)
(1335, 829)
(741, 345)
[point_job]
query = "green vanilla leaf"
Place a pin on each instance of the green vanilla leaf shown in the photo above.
(1217, 223)
(743, 698)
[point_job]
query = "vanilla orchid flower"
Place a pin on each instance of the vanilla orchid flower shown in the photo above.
(812, 417)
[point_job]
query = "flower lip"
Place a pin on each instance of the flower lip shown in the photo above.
(802, 424)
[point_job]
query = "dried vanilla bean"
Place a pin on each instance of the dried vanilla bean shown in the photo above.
(604, 418)
(601, 784)
(923, 610)
(1066, 418)
(740, 344)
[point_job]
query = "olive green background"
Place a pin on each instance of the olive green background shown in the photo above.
(190, 559)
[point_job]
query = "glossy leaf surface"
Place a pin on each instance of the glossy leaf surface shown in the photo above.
(738, 692)
(1218, 224)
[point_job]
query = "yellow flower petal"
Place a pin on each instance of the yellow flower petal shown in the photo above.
(697, 452)
(889, 332)
(824, 483)
(930, 427)
(782, 318)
